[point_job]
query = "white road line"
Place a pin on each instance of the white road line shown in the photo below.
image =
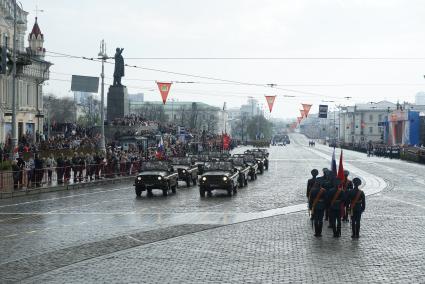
(403, 201)
(64, 197)
(134, 239)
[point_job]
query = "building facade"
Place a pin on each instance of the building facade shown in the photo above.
(32, 71)
(362, 123)
(195, 115)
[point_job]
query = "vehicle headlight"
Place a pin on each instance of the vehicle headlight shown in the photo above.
(224, 178)
(204, 178)
(160, 178)
(139, 178)
(184, 171)
(258, 162)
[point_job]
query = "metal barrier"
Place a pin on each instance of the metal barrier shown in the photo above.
(27, 179)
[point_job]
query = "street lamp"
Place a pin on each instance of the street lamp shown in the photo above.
(14, 139)
(102, 56)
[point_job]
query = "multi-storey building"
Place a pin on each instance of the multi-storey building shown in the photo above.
(362, 123)
(30, 75)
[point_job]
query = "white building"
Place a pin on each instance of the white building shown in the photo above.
(29, 100)
(187, 114)
(361, 123)
(420, 98)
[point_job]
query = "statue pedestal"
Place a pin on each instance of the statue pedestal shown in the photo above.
(117, 102)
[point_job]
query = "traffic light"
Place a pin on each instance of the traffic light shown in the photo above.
(3, 60)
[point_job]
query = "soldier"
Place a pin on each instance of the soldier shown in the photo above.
(335, 198)
(316, 204)
(357, 201)
(347, 185)
(311, 181)
(327, 185)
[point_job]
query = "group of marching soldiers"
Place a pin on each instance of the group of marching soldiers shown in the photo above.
(336, 200)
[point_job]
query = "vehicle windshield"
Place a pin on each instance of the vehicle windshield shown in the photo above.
(213, 166)
(238, 161)
(155, 165)
(249, 158)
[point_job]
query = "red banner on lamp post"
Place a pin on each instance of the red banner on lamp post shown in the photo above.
(270, 101)
(164, 89)
(306, 108)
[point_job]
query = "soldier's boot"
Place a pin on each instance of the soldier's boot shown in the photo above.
(357, 230)
(338, 231)
(316, 230)
(319, 230)
(353, 229)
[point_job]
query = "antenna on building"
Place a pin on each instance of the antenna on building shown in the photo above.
(38, 10)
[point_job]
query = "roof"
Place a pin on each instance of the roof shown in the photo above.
(36, 30)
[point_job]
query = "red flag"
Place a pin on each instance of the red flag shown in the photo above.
(302, 113)
(306, 108)
(270, 101)
(226, 142)
(340, 175)
(164, 89)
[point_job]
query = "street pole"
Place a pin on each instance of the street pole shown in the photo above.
(14, 139)
(103, 57)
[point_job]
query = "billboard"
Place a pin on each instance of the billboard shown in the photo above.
(323, 111)
(84, 84)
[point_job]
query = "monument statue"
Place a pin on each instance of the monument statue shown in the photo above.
(119, 67)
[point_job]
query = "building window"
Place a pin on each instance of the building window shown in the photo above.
(371, 117)
(370, 130)
(380, 117)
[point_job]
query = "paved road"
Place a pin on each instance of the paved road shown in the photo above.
(78, 236)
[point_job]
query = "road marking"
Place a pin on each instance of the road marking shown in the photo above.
(10, 236)
(134, 239)
(31, 232)
(403, 201)
(64, 197)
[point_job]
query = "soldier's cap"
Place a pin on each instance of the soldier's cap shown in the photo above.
(314, 172)
(357, 181)
(346, 173)
(325, 170)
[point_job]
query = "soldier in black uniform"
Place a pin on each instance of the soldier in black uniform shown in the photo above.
(316, 204)
(325, 183)
(357, 201)
(334, 199)
(311, 181)
(347, 185)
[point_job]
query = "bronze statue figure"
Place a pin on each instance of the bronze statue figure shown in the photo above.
(119, 67)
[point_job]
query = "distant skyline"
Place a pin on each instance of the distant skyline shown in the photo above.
(311, 31)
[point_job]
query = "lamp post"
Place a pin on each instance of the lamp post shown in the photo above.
(103, 57)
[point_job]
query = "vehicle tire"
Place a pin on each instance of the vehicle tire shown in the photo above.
(194, 181)
(235, 189)
(164, 192)
(138, 191)
(245, 181)
(229, 192)
(188, 182)
(241, 182)
(202, 192)
(252, 177)
(261, 170)
(256, 176)
(174, 188)
(150, 193)
(209, 193)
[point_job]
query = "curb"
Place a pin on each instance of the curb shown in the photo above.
(20, 193)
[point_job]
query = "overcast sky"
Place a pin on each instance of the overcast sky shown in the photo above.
(244, 28)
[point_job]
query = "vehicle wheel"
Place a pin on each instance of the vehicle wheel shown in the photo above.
(194, 181)
(255, 176)
(150, 193)
(261, 171)
(229, 192)
(188, 182)
(209, 193)
(164, 192)
(202, 192)
(245, 181)
(241, 182)
(174, 188)
(252, 177)
(235, 189)
(138, 191)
